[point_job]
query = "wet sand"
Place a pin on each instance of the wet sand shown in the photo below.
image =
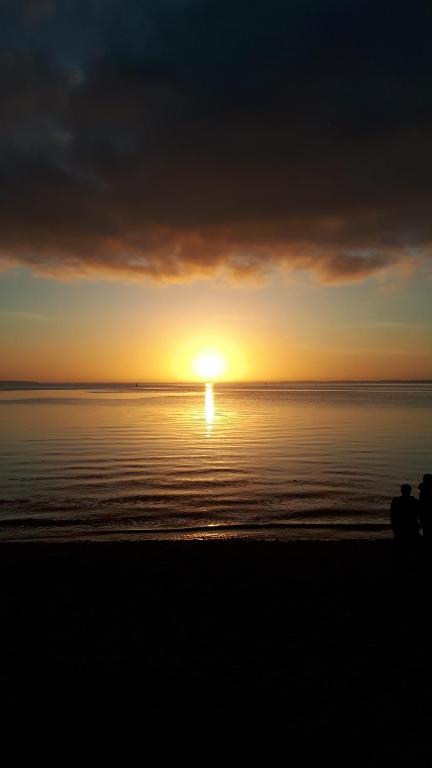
(326, 636)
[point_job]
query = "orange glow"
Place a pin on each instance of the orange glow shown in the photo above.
(127, 342)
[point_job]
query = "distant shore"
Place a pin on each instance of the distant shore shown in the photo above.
(5, 383)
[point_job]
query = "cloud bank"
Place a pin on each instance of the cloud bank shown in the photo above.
(176, 139)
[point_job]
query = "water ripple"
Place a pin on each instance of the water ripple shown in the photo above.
(109, 462)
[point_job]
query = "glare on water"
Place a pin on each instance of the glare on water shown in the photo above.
(209, 411)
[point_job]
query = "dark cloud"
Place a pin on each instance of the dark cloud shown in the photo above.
(177, 138)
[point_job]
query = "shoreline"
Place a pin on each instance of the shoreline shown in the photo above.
(288, 532)
(328, 635)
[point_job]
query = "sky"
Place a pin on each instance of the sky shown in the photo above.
(188, 175)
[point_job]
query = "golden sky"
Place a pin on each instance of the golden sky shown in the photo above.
(278, 329)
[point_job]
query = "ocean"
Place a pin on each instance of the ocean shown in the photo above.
(295, 460)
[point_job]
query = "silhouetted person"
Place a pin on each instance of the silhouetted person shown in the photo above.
(425, 499)
(404, 516)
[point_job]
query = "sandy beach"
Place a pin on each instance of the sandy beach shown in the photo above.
(328, 635)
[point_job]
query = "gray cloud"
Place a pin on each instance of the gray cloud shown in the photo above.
(174, 140)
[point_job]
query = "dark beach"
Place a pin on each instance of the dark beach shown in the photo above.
(325, 634)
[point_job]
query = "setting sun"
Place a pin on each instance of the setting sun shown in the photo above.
(209, 365)
(209, 357)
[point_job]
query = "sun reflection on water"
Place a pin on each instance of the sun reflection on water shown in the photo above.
(209, 406)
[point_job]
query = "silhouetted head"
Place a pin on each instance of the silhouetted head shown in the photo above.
(406, 489)
(427, 479)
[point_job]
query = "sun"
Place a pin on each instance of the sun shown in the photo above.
(209, 365)
(208, 358)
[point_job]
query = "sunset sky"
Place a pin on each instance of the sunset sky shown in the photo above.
(188, 175)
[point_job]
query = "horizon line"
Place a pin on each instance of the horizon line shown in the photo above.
(185, 382)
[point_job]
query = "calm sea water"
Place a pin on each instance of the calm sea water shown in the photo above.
(283, 460)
